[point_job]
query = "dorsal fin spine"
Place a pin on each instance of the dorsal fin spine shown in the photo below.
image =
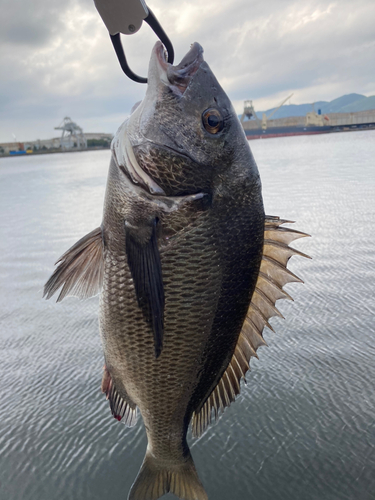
(250, 327)
(264, 298)
(214, 404)
(230, 388)
(236, 379)
(241, 357)
(262, 317)
(268, 262)
(235, 358)
(224, 394)
(283, 246)
(283, 294)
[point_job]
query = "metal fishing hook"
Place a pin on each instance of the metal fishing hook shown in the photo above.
(158, 30)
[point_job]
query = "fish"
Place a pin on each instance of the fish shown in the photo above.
(187, 264)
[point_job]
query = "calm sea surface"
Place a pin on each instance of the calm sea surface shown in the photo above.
(303, 428)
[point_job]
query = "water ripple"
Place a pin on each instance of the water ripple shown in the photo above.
(303, 426)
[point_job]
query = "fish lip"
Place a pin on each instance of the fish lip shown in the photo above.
(160, 55)
(179, 76)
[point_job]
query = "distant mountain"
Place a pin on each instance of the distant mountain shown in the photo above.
(336, 105)
(360, 105)
(345, 104)
(292, 110)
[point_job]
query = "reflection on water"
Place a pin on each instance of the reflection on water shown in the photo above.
(303, 427)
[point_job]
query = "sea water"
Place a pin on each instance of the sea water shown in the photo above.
(302, 428)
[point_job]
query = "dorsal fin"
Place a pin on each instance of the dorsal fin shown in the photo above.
(273, 275)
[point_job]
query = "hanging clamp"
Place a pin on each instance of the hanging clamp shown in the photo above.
(126, 16)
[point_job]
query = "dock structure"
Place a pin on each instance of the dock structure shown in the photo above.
(94, 140)
(358, 119)
(337, 120)
(311, 123)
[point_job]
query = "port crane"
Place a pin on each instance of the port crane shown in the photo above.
(265, 117)
(249, 112)
(72, 135)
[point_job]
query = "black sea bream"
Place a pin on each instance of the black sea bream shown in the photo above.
(188, 266)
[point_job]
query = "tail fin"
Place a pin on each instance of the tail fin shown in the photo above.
(155, 480)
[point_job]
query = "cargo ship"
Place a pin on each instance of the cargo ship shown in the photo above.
(284, 131)
(310, 124)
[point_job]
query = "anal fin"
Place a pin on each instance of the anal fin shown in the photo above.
(122, 408)
(145, 266)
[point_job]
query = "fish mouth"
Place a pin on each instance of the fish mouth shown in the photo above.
(178, 77)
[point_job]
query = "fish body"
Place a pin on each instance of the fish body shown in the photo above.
(178, 258)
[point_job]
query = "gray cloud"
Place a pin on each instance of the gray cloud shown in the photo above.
(31, 23)
(57, 59)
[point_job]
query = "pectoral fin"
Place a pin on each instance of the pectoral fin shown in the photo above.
(80, 269)
(145, 266)
(143, 253)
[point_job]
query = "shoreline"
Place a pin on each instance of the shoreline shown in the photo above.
(53, 151)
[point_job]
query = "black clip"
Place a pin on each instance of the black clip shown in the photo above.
(158, 30)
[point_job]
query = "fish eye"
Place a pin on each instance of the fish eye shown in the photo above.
(212, 121)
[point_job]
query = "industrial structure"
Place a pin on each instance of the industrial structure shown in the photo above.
(95, 140)
(249, 112)
(72, 135)
(312, 123)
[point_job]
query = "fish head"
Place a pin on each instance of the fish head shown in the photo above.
(185, 134)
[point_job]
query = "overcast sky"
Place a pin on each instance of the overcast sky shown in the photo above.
(57, 60)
